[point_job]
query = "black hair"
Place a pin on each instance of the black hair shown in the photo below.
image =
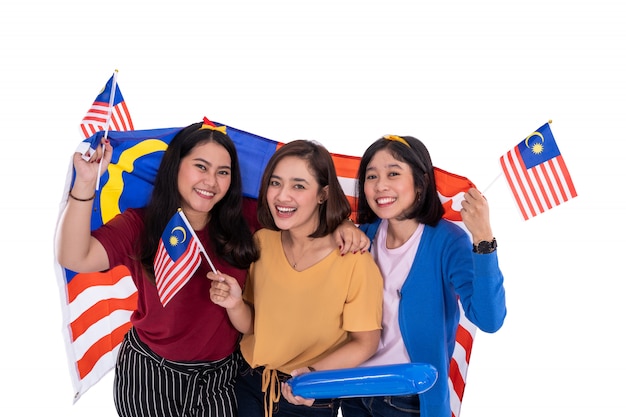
(334, 210)
(427, 207)
(227, 227)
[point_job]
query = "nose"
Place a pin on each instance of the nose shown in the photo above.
(283, 194)
(380, 184)
(210, 178)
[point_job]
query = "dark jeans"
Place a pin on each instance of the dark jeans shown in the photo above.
(400, 406)
(250, 398)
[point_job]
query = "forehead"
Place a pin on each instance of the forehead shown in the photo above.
(210, 152)
(293, 167)
(384, 159)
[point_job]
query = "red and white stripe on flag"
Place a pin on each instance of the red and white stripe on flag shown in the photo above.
(539, 188)
(460, 362)
(171, 275)
(96, 118)
(99, 306)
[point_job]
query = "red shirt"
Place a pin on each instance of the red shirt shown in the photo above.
(191, 327)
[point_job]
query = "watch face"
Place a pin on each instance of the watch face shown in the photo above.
(486, 247)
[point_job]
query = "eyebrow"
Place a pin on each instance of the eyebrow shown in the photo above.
(210, 164)
(296, 179)
(369, 168)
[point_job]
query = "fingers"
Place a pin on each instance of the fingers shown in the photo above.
(352, 239)
(473, 201)
(105, 150)
(108, 150)
(225, 290)
(215, 276)
(475, 215)
(219, 292)
(294, 399)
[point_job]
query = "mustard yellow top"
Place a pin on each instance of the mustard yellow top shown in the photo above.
(302, 316)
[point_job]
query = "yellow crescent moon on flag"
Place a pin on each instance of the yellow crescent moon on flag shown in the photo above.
(531, 135)
(182, 229)
(112, 190)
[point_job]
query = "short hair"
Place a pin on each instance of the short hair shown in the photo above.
(427, 207)
(334, 210)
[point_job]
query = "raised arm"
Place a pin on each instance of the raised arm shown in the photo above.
(76, 248)
(475, 215)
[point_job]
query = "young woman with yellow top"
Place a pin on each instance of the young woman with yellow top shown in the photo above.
(305, 307)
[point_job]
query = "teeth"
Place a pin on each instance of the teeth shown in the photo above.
(385, 200)
(205, 193)
(285, 209)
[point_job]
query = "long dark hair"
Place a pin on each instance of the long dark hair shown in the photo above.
(227, 227)
(427, 206)
(333, 211)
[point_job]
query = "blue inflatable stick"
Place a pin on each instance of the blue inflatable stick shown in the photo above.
(367, 381)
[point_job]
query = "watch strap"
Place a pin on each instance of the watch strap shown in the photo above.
(485, 246)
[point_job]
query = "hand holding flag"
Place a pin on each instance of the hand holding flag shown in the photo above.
(177, 257)
(107, 111)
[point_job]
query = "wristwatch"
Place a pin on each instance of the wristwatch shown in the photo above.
(485, 246)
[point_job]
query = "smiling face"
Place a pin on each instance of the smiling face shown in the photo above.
(203, 180)
(389, 187)
(294, 196)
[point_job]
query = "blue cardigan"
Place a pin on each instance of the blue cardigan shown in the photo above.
(445, 268)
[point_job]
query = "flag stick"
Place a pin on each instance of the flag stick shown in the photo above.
(490, 184)
(206, 256)
(106, 126)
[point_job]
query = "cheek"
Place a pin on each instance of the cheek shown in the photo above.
(180, 178)
(368, 190)
(224, 183)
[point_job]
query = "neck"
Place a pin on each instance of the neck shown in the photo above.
(297, 240)
(399, 231)
(302, 251)
(198, 221)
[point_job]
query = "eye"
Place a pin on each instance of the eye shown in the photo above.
(201, 167)
(370, 177)
(274, 183)
(394, 174)
(223, 172)
(299, 187)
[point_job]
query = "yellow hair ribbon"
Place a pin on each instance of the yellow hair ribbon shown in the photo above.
(397, 139)
(207, 124)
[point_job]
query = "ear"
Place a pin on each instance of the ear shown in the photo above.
(323, 195)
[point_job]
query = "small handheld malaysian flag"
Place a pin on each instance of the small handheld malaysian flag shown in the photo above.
(537, 174)
(177, 257)
(108, 111)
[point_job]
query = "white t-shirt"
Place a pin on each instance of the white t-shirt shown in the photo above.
(394, 265)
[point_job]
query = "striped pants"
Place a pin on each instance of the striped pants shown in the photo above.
(147, 385)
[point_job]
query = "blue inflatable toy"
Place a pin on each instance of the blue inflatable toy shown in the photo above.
(367, 381)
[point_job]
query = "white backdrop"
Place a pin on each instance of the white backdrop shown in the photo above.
(471, 79)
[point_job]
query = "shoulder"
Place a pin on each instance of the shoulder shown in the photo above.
(360, 263)
(266, 233)
(446, 228)
(370, 228)
(131, 217)
(135, 214)
(447, 235)
(267, 236)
